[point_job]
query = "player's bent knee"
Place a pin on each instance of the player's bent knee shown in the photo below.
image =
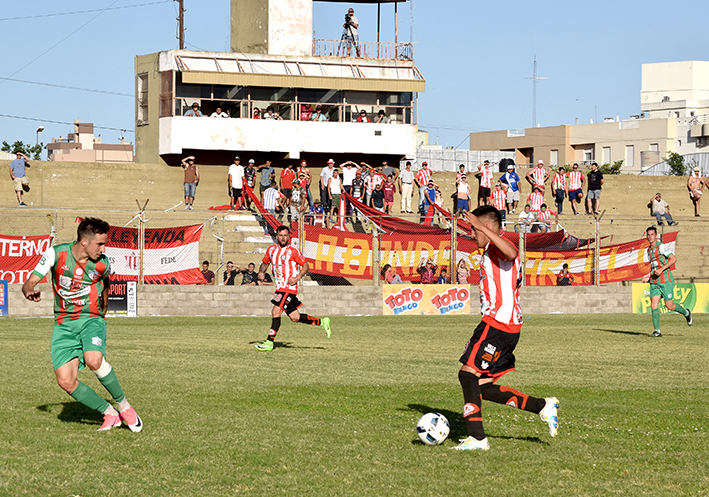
(103, 370)
(67, 384)
(94, 361)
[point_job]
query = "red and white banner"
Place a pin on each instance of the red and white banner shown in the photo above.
(19, 255)
(170, 255)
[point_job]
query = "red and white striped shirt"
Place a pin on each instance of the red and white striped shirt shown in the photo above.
(486, 177)
(372, 181)
(535, 201)
(538, 173)
(500, 280)
(422, 176)
(544, 215)
(499, 199)
(559, 181)
(285, 262)
(575, 180)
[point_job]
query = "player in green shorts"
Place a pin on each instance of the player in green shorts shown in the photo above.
(662, 283)
(79, 275)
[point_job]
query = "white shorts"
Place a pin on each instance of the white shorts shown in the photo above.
(512, 196)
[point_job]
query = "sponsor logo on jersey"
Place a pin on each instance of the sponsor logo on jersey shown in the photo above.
(93, 275)
(470, 409)
(96, 341)
(484, 364)
(79, 271)
(65, 281)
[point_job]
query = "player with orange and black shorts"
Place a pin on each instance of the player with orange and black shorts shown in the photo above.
(489, 352)
(289, 267)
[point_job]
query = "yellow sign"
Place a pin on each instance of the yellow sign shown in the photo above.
(425, 299)
(692, 296)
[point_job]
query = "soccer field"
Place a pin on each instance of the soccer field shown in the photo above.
(337, 417)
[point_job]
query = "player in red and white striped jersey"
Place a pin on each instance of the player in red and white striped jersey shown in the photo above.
(574, 185)
(289, 267)
(489, 353)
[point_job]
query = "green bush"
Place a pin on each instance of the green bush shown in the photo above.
(611, 168)
(677, 165)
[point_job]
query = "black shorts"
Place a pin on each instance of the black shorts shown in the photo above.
(490, 351)
(236, 192)
(287, 301)
(483, 192)
(287, 192)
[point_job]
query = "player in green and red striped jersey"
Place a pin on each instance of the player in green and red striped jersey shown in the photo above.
(662, 283)
(79, 274)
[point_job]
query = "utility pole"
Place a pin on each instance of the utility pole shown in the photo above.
(181, 25)
(534, 79)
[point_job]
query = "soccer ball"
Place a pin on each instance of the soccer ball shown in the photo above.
(433, 428)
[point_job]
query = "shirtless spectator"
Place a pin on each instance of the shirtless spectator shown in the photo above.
(696, 185)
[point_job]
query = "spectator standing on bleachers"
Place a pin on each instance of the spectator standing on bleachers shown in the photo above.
(535, 199)
(695, 185)
(235, 180)
(389, 189)
(558, 184)
(349, 171)
(484, 176)
(250, 181)
(429, 196)
(298, 201)
(377, 198)
(358, 187)
(388, 170)
(526, 220)
(19, 176)
(499, 201)
(512, 180)
(219, 113)
(273, 203)
(463, 194)
(207, 274)
(660, 209)
(305, 178)
(334, 190)
(191, 180)
(574, 187)
(595, 182)
(538, 176)
(422, 178)
(325, 176)
(229, 274)
(406, 187)
(194, 111)
(288, 175)
(268, 174)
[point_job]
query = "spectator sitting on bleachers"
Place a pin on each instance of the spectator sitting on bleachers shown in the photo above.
(249, 274)
(427, 272)
(660, 209)
(526, 219)
(389, 275)
(544, 219)
(443, 277)
(229, 274)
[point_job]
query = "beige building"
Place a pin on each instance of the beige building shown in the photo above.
(275, 64)
(674, 118)
(83, 146)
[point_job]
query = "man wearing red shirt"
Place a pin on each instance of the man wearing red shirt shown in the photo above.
(288, 175)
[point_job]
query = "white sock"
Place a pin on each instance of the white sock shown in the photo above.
(123, 405)
(111, 410)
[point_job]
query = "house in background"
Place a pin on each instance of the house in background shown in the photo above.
(83, 146)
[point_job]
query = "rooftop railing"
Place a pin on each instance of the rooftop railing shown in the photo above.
(363, 49)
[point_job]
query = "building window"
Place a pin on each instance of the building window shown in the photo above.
(654, 147)
(630, 156)
(588, 155)
(606, 155)
(554, 157)
(142, 94)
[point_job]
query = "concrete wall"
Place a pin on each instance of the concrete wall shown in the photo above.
(319, 301)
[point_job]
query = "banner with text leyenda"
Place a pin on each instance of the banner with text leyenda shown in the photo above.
(425, 299)
(692, 296)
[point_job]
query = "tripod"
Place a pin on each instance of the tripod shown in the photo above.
(348, 39)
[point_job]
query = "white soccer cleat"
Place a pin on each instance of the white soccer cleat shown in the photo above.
(472, 443)
(548, 415)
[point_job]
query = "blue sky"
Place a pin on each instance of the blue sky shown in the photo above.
(476, 57)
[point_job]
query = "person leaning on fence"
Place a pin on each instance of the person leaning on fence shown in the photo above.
(660, 209)
(191, 180)
(427, 271)
(564, 278)
(249, 278)
(194, 111)
(207, 274)
(463, 272)
(389, 275)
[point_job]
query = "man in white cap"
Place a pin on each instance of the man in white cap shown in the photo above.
(511, 179)
(325, 176)
(537, 176)
(695, 185)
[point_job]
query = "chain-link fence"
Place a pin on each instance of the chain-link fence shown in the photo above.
(368, 250)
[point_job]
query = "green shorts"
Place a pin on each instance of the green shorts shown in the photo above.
(72, 338)
(666, 290)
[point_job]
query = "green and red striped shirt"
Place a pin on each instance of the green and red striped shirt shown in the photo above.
(658, 255)
(77, 287)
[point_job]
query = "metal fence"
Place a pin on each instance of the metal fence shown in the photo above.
(240, 237)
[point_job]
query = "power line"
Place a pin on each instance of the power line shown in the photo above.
(68, 87)
(62, 122)
(81, 11)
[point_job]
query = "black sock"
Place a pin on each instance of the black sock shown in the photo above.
(472, 410)
(275, 325)
(511, 397)
(304, 318)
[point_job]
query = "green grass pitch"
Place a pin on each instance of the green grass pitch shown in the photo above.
(337, 417)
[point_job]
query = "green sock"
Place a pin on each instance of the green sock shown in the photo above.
(656, 319)
(681, 310)
(87, 396)
(110, 383)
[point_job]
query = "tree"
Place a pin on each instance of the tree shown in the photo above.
(611, 168)
(34, 152)
(676, 163)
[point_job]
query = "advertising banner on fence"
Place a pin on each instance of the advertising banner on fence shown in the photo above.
(170, 255)
(692, 296)
(19, 255)
(123, 299)
(425, 299)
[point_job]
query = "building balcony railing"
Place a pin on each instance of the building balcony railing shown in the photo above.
(363, 49)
